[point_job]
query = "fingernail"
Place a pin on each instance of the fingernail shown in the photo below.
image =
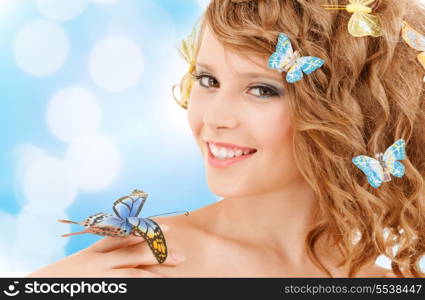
(178, 257)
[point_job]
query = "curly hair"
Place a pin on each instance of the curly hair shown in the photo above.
(368, 94)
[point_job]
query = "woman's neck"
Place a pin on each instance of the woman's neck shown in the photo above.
(278, 220)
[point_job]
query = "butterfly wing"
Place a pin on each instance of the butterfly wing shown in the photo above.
(371, 168)
(395, 152)
(413, 38)
(306, 64)
(309, 64)
(363, 24)
(295, 73)
(131, 205)
(421, 58)
(103, 224)
(284, 51)
(152, 233)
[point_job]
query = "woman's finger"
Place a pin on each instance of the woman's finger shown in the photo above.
(136, 255)
(111, 243)
(132, 272)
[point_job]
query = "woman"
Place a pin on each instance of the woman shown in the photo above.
(294, 204)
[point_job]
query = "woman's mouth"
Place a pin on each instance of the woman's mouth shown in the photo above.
(223, 154)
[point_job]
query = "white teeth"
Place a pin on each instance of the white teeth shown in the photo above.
(224, 153)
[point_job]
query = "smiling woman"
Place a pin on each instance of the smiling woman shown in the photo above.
(283, 101)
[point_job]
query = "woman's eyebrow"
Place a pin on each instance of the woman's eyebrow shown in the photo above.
(266, 75)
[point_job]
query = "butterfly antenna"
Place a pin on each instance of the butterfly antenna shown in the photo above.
(174, 212)
(333, 7)
(68, 221)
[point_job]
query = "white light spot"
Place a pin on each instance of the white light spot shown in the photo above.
(72, 113)
(49, 185)
(61, 10)
(95, 161)
(41, 47)
(383, 261)
(116, 63)
(27, 154)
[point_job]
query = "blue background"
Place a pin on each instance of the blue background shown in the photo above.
(145, 141)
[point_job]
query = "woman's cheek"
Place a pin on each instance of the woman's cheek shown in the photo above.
(194, 114)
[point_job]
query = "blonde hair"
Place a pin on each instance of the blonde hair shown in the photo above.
(368, 94)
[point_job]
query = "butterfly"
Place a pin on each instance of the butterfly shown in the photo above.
(188, 51)
(415, 40)
(378, 170)
(362, 22)
(286, 60)
(125, 221)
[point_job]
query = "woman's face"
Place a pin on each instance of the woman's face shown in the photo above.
(236, 101)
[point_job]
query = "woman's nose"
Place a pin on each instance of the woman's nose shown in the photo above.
(221, 111)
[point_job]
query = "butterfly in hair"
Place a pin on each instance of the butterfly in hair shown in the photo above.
(362, 22)
(415, 40)
(286, 60)
(124, 222)
(378, 170)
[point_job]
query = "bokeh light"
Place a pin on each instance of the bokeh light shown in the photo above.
(73, 112)
(61, 10)
(41, 47)
(49, 185)
(116, 63)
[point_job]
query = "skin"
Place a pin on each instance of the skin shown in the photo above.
(259, 226)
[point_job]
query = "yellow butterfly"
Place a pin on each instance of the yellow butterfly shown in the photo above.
(188, 51)
(415, 40)
(362, 22)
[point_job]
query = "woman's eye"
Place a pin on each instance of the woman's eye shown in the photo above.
(207, 81)
(262, 92)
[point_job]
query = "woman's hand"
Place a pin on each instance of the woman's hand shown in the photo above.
(108, 257)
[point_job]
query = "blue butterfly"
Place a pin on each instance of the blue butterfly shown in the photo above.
(124, 222)
(378, 170)
(285, 60)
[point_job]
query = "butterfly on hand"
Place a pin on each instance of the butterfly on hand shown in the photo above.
(286, 60)
(362, 22)
(378, 170)
(125, 221)
(415, 40)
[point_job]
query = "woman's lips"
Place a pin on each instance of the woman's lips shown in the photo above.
(222, 163)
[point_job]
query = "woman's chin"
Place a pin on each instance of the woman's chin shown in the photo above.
(224, 189)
